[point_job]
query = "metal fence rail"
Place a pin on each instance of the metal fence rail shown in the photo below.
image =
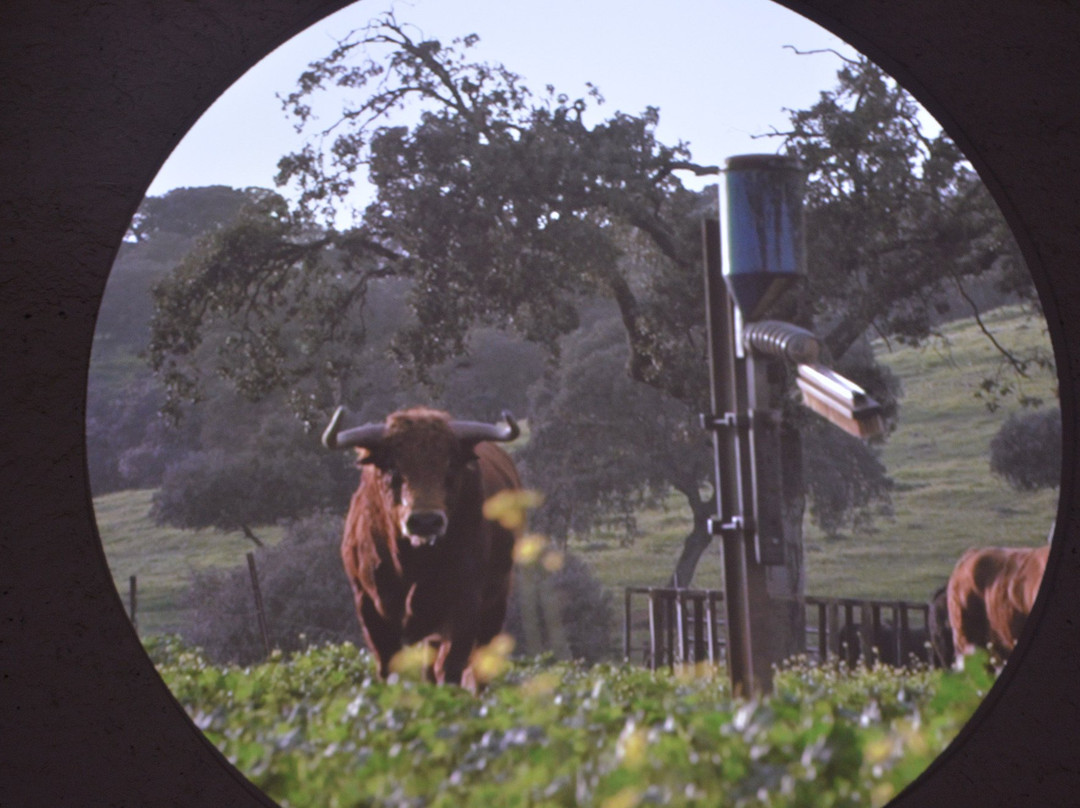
(684, 626)
(687, 626)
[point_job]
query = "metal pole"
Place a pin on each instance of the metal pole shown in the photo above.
(727, 465)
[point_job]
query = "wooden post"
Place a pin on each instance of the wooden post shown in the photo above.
(823, 632)
(869, 619)
(902, 619)
(258, 602)
(654, 628)
(710, 630)
(133, 602)
(669, 628)
(834, 627)
(627, 617)
(699, 629)
(680, 627)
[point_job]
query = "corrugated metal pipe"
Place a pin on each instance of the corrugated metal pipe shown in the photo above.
(782, 339)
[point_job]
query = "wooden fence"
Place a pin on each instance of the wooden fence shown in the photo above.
(666, 627)
(683, 625)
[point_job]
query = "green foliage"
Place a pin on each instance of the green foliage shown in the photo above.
(305, 595)
(128, 444)
(899, 227)
(845, 478)
(315, 728)
(603, 446)
(1026, 451)
(499, 208)
(571, 595)
(257, 472)
(493, 376)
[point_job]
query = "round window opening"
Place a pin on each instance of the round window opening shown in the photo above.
(756, 596)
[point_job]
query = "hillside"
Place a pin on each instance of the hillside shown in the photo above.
(162, 558)
(946, 498)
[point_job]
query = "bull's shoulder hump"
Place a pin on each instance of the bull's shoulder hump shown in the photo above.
(497, 468)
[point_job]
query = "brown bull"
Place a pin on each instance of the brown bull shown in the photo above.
(423, 562)
(990, 594)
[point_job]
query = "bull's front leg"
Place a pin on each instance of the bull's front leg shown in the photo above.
(383, 636)
(454, 657)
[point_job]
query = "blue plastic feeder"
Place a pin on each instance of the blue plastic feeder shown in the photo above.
(765, 241)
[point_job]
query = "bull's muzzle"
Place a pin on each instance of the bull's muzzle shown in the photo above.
(425, 527)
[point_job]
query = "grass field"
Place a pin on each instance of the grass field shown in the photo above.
(162, 558)
(945, 499)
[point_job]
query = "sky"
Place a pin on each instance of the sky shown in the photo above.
(718, 70)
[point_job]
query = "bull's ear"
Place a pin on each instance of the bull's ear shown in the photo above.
(467, 454)
(370, 457)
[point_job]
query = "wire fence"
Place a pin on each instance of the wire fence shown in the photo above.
(273, 631)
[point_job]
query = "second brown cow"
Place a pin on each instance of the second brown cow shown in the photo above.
(990, 594)
(423, 562)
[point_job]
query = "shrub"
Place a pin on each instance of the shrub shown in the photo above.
(305, 595)
(574, 597)
(1026, 451)
(307, 601)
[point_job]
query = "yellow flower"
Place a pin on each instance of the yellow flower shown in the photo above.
(553, 561)
(412, 660)
(493, 659)
(528, 548)
(509, 508)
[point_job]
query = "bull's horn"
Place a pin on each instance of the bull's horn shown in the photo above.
(475, 432)
(367, 436)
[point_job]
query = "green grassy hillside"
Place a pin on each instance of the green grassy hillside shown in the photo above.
(945, 500)
(162, 558)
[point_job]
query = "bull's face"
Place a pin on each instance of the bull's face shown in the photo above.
(423, 459)
(423, 475)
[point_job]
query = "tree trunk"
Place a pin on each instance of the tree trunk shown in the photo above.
(695, 544)
(248, 534)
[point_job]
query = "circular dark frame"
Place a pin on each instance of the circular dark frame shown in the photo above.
(96, 95)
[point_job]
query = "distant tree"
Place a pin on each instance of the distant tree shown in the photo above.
(164, 229)
(604, 446)
(128, 444)
(499, 208)
(494, 375)
(899, 227)
(264, 472)
(1026, 451)
(188, 213)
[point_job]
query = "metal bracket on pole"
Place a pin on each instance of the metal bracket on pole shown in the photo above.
(729, 420)
(736, 528)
